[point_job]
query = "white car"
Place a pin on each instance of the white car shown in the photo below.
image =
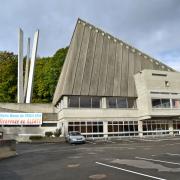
(75, 137)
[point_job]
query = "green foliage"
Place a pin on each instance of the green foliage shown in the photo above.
(47, 71)
(8, 77)
(35, 137)
(48, 134)
(57, 133)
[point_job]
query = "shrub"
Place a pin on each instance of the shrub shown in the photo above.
(36, 137)
(48, 134)
(57, 133)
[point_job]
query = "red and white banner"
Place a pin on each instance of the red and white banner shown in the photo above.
(20, 118)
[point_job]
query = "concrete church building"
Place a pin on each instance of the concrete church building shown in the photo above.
(108, 88)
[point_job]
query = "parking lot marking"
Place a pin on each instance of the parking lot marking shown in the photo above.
(126, 170)
(157, 160)
(173, 154)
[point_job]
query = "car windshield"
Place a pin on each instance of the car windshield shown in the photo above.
(74, 134)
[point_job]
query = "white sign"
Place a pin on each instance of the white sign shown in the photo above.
(20, 118)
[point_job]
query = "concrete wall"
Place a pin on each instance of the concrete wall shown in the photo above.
(32, 108)
(77, 113)
(147, 83)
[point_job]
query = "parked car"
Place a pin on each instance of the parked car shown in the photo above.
(75, 137)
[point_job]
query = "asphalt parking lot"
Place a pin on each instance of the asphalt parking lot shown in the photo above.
(127, 159)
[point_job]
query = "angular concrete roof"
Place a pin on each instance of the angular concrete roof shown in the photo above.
(98, 64)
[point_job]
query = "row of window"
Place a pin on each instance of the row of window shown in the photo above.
(166, 103)
(83, 102)
(118, 102)
(115, 128)
(159, 127)
(95, 102)
(123, 128)
(156, 126)
(89, 127)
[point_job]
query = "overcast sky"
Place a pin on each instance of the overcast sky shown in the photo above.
(152, 26)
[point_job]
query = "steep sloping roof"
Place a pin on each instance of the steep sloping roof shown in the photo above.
(98, 64)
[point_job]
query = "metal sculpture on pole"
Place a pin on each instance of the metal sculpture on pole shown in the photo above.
(31, 71)
(20, 95)
(27, 69)
(24, 94)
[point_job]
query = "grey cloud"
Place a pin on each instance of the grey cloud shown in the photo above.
(152, 26)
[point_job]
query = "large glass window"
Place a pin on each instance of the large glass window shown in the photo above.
(95, 102)
(122, 128)
(131, 103)
(156, 103)
(156, 127)
(161, 103)
(165, 103)
(84, 102)
(121, 102)
(89, 128)
(73, 101)
(112, 102)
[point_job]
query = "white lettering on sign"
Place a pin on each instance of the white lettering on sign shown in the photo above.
(20, 118)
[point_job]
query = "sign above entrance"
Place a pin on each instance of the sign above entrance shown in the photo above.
(20, 118)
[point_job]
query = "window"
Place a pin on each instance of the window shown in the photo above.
(176, 103)
(161, 103)
(165, 103)
(131, 103)
(89, 128)
(157, 127)
(73, 101)
(95, 102)
(123, 128)
(49, 125)
(84, 102)
(156, 103)
(112, 102)
(155, 74)
(121, 102)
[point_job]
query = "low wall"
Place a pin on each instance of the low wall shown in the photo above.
(7, 148)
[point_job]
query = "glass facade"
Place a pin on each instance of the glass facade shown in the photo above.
(123, 128)
(161, 103)
(83, 102)
(120, 102)
(176, 126)
(155, 127)
(88, 128)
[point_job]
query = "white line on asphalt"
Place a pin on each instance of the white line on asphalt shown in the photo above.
(157, 160)
(134, 172)
(173, 154)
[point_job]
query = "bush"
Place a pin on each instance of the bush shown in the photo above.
(36, 137)
(57, 133)
(48, 134)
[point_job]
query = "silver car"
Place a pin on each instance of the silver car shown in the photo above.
(75, 137)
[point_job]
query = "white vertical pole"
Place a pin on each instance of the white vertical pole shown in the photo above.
(20, 94)
(31, 71)
(27, 69)
(140, 128)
